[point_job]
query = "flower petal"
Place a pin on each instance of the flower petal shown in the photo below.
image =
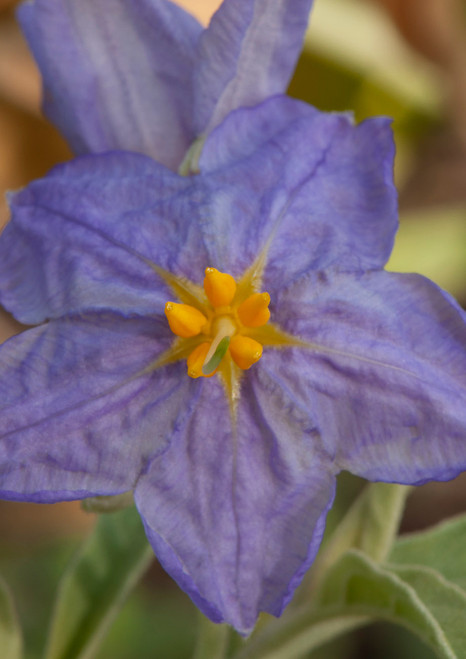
(237, 517)
(79, 416)
(330, 207)
(117, 75)
(248, 53)
(387, 384)
(81, 237)
(317, 185)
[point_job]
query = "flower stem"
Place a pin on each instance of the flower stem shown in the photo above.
(212, 639)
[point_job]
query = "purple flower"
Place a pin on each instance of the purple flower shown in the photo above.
(232, 474)
(145, 76)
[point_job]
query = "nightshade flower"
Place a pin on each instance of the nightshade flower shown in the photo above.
(232, 474)
(145, 76)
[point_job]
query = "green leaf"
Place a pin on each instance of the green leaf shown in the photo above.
(441, 548)
(96, 584)
(295, 637)
(444, 599)
(371, 525)
(357, 590)
(416, 597)
(10, 633)
(418, 589)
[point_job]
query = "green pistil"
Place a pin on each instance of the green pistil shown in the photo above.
(217, 357)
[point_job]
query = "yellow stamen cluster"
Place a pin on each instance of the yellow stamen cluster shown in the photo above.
(222, 325)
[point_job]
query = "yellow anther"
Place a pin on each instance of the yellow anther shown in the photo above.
(245, 351)
(254, 311)
(196, 360)
(184, 320)
(219, 287)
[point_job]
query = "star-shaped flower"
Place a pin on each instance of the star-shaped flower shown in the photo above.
(232, 474)
(145, 76)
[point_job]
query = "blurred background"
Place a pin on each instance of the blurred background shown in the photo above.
(402, 58)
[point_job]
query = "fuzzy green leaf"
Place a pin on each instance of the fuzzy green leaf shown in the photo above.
(96, 584)
(441, 548)
(418, 598)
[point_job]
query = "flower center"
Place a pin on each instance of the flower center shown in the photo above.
(221, 326)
